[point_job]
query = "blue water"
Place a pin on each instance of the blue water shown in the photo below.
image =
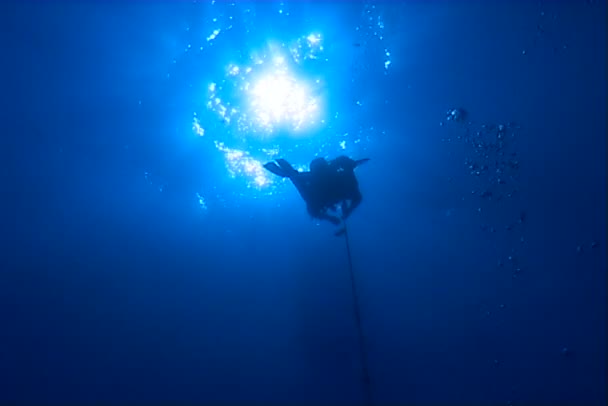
(146, 258)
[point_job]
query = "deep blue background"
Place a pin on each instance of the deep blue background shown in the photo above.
(113, 291)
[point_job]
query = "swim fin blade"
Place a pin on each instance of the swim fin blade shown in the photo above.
(340, 232)
(286, 167)
(274, 168)
(361, 161)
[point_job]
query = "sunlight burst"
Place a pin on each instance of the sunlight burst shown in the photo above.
(279, 99)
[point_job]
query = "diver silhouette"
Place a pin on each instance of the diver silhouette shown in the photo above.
(329, 187)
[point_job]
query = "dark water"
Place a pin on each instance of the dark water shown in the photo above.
(143, 263)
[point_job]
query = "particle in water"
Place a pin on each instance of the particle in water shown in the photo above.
(457, 114)
(522, 217)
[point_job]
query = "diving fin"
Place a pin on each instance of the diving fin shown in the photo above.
(286, 167)
(361, 161)
(274, 168)
(340, 232)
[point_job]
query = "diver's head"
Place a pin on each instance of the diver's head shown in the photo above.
(318, 164)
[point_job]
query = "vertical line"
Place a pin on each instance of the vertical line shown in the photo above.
(357, 314)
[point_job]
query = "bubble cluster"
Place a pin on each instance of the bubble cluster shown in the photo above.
(492, 160)
(306, 47)
(371, 37)
(202, 203)
(240, 162)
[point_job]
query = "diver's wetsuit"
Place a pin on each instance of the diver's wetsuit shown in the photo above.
(313, 190)
(344, 185)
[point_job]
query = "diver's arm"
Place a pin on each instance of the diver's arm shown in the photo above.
(351, 204)
(322, 214)
(347, 163)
